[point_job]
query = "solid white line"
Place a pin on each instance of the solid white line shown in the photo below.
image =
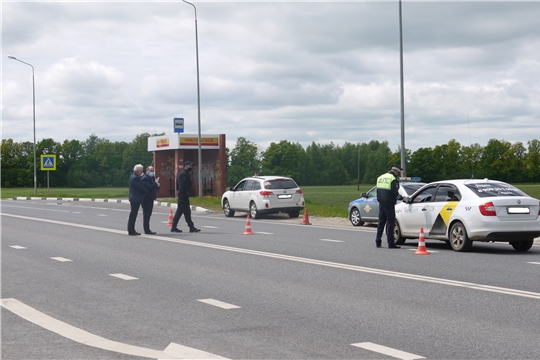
(173, 351)
(211, 227)
(124, 277)
(463, 284)
(61, 259)
(220, 304)
(388, 351)
(17, 247)
(264, 233)
(535, 263)
(330, 240)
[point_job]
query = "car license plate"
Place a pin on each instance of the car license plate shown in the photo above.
(517, 210)
(284, 196)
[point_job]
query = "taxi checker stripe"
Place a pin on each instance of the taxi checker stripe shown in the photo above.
(463, 284)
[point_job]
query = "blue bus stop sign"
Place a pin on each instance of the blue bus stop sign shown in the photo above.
(178, 125)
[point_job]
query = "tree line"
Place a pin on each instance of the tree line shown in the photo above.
(98, 162)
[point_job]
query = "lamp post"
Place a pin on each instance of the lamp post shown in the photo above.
(198, 98)
(403, 161)
(34, 106)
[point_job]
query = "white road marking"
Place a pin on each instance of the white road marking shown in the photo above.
(388, 351)
(211, 227)
(220, 304)
(124, 277)
(101, 215)
(441, 281)
(330, 240)
(61, 259)
(264, 233)
(18, 247)
(535, 263)
(173, 351)
(430, 251)
(77, 212)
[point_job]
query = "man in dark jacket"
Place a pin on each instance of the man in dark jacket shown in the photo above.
(137, 192)
(387, 195)
(183, 186)
(152, 185)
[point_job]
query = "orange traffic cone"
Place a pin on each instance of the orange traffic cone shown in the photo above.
(248, 227)
(169, 223)
(421, 244)
(305, 220)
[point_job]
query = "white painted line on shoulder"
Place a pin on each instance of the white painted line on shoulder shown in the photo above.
(388, 351)
(220, 304)
(173, 351)
(124, 277)
(18, 247)
(330, 240)
(61, 259)
(534, 263)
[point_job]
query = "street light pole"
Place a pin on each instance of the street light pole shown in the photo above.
(198, 98)
(34, 107)
(403, 161)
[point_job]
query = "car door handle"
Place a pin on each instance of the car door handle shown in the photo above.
(424, 209)
(449, 209)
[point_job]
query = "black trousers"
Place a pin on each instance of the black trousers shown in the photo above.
(387, 218)
(185, 209)
(133, 216)
(147, 207)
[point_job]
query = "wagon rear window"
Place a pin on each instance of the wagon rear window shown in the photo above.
(495, 189)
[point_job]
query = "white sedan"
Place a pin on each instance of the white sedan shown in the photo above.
(462, 211)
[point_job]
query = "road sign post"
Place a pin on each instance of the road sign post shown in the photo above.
(48, 163)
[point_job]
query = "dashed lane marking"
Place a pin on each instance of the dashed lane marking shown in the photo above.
(388, 351)
(330, 240)
(220, 304)
(124, 276)
(61, 259)
(534, 263)
(18, 247)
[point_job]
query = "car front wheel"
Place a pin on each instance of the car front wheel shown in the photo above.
(294, 214)
(522, 245)
(253, 211)
(355, 218)
(227, 209)
(459, 240)
(398, 239)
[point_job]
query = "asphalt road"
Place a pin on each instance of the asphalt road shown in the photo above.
(76, 286)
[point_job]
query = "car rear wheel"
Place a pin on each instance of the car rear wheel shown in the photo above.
(355, 218)
(459, 240)
(398, 239)
(253, 210)
(227, 209)
(294, 214)
(522, 245)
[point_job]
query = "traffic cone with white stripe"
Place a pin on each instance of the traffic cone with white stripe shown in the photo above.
(421, 244)
(169, 223)
(248, 227)
(305, 220)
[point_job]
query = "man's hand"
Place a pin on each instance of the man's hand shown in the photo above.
(405, 199)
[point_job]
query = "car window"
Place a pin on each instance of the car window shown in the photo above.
(240, 186)
(411, 188)
(372, 193)
(495, 189)
(425, 195)
(280, 184)
(256, 185)
(447, 193)
(249, 185)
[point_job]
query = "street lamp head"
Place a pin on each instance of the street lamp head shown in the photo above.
(12, 57)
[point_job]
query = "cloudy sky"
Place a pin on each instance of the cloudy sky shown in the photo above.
(269, 71)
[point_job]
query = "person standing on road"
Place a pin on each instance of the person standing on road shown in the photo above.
(152, 185)
(137, 193)
(183, 186)
(387, 195)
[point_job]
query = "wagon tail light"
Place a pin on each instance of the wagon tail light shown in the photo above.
(539, 208)
(299, 191)
(266, 193)
(488, 209)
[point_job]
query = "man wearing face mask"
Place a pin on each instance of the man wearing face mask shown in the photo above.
(137, 193)
(183, 186)
(152, 185)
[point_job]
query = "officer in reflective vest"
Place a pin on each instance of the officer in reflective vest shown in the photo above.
(387, 195)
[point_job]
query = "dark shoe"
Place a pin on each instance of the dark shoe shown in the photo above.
(194, 229)
(150, 232)
(394, 246)
(378, 245)
(177, 230)
(133, 233)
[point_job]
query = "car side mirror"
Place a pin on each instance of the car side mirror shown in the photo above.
(364, 195)
(231, 188)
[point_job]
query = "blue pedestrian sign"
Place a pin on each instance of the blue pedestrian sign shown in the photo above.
(48, 162)
(178, 125)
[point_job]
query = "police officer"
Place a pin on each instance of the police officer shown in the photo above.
(183, 186)
(387, 195)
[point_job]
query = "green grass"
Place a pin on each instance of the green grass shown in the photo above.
(325, 201)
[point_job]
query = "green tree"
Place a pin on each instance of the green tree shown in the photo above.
(286, 159)
(244, 161)
(532, 161)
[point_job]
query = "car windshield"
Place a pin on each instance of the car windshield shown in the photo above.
(280, 184)
(410, 188)
(495, 189)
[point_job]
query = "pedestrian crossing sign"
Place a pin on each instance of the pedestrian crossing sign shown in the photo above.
(48, 162)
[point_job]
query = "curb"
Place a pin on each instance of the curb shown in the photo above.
(118, 201)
